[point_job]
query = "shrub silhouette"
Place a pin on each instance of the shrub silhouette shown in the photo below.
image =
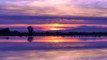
(30, 30)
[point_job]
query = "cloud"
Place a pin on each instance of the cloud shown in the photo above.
(54, 7)
(96, 4)
(52, 19)
(89, 29)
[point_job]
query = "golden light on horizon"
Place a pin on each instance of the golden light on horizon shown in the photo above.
(55, 24)
(54, 29)
(55, 41)
(52, 26)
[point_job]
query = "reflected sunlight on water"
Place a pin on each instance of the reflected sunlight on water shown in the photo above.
(53, 48)
(51, 42)
(52, 39)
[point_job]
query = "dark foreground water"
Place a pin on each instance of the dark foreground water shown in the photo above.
(53, 48)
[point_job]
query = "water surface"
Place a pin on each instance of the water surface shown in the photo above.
(50, 42)
(53, 48)
(90, 54)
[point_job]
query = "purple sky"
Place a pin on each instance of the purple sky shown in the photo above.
(76, 13)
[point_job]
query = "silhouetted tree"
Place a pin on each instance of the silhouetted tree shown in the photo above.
(5, 31)
(30, 30)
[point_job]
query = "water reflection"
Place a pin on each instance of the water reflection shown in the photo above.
(61, 39)
(30, 38)
(45, 48)
(51, 42)
(4, 37)
(88, 54)
(51, 39)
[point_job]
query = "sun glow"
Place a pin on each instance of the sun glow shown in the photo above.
(56, 26)
(54, 29)
(54, 41)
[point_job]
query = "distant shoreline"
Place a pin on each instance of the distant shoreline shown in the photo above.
(55, 34)
(31, 32)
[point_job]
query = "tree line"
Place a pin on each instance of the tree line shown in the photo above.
(31, 32)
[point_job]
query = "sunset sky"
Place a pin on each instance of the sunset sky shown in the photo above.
(53, 14)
